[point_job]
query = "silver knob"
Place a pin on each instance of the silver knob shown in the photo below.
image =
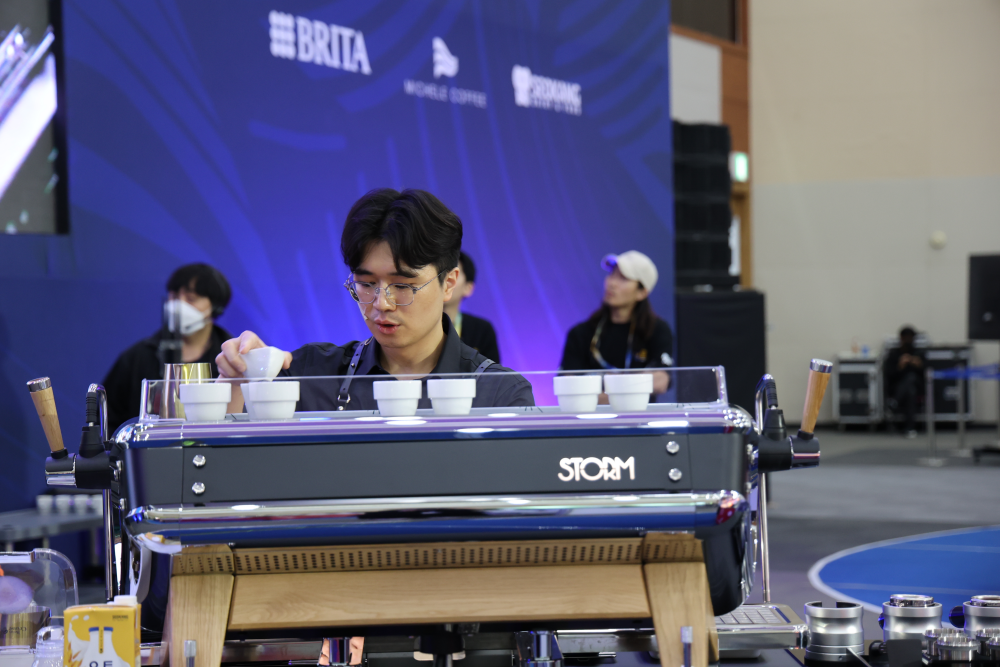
(673, 447)
(198, 460)
(675, 474)
(198, 488)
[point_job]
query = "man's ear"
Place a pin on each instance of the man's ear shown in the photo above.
(469, 289)
(450, 280)
(643, 293)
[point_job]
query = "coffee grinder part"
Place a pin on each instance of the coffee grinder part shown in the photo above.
(834, 631)
(984, 636)
(931, 636)
(907, 616)
(956, 648)
(981, 612)
(992, 651)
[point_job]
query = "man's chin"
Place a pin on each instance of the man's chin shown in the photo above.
(385, 339)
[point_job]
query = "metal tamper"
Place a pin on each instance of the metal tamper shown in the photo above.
(908, 616)
(834, 632)
(979, 613)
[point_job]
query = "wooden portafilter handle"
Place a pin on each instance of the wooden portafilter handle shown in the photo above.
(819, 376)
(45, 405)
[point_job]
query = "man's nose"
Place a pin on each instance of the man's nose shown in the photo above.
(382, 301)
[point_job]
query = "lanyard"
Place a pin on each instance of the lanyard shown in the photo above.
(595, 343)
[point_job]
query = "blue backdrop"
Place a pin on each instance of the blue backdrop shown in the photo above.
(197, 132)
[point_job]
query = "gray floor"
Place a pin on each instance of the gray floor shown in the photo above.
(871, 487)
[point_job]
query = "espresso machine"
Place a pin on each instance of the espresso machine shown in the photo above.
(526, 529)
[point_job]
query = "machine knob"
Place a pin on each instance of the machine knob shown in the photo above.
(675, 474)
(673, 447)
(198, 488)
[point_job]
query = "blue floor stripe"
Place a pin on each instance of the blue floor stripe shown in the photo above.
(950, 566)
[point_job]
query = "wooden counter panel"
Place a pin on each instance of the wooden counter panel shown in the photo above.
(468, 595)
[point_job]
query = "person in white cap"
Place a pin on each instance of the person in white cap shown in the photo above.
(624, 332)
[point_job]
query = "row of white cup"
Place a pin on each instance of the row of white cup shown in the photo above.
(399, 398)
(207, 401)
(263, 399)
(627, 392)
(64, 503)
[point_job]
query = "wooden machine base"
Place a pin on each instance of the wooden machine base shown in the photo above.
(661, 577)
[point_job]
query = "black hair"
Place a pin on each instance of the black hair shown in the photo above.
(419, 229)
(642, 315)
(468, 267)
(203, 280)
(907, 331)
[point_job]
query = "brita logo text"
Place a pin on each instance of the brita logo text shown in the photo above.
(318, 42)
(593, 469)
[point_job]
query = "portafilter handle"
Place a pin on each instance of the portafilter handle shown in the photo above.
(819, 377)
(45, 405)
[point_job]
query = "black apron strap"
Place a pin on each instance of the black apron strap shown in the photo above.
(483, 366)
(344, 397)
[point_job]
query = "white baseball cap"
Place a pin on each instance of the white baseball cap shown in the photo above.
(634, 266)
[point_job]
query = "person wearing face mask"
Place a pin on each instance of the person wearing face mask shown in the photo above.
(402, 251)
(197, 294)
(624, 332)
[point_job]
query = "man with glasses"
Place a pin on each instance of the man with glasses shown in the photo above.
(402, 250)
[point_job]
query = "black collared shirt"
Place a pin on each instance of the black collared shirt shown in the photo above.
(495, 388)
(479, 334)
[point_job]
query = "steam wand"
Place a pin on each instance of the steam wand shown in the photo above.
(776, 450)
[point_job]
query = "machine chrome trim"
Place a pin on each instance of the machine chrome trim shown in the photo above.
(166, 529)
(820, 365)
(102, 409)
(695, 417)
(62, 477)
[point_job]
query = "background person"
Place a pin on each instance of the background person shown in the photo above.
(904, 378)
(476, 332)
(197, 294)
(624, 332)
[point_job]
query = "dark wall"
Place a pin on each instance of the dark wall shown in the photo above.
(724, 329)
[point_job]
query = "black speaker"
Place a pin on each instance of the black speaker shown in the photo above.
(724, 329)
(984, 297)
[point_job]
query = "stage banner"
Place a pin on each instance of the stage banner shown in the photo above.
(240, 133)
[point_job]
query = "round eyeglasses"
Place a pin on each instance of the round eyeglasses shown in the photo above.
(398, 294)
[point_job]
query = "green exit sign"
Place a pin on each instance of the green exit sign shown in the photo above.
(739, 167)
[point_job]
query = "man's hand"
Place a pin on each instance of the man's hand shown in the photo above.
(229, 362)
(910, 360)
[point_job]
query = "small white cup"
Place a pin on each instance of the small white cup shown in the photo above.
(628, 392)
(273, 400)
(44, 503)
(451, 397)
(577, 393)
(397, 398)
(81, 503)
(63, 504)
(264, 362)
(205, 401)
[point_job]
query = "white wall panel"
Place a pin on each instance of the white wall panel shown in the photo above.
(695, 81)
